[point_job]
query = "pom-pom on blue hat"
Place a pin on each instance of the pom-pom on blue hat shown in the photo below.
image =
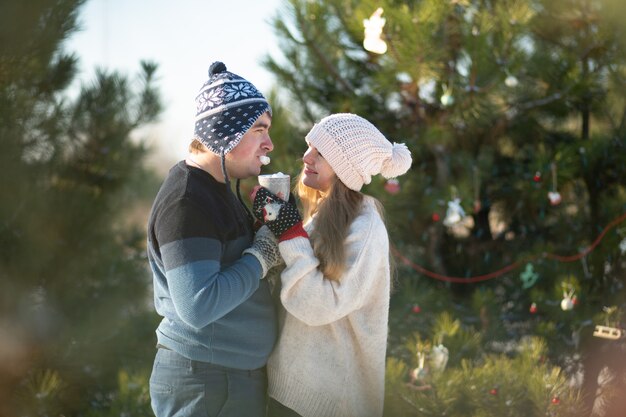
(226, 107)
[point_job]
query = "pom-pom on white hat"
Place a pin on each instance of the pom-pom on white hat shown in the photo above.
(356, 149)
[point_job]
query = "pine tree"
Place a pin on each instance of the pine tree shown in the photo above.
(73, 282)
(516, 108)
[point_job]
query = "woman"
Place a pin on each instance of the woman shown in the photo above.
(330, 358)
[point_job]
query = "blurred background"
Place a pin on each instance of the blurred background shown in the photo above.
(508, 232)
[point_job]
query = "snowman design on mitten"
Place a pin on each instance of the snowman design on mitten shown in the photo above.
(271, 209)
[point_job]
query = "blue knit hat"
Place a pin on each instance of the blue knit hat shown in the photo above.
(226, 107)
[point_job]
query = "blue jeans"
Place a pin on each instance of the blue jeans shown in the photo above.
(183, 387)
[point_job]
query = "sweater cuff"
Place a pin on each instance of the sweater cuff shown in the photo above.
(295, 231)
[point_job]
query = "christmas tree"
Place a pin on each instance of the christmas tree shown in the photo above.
(509, 229)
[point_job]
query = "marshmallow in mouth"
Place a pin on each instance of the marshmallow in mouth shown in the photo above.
(264, 159)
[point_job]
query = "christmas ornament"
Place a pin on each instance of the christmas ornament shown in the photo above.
(373, 31)
(537, 176)
(392, 186)
(567, 303)
(476, 181)
(493, 391)
(554, 196)
(439, 358)
(555, 400)
(622, 246)
(416, 309)
(455, 213)
(529, 277)
(511, 81)
(420, 372)
(436, 217)
(533, 308)
(606, 332)
(446, 98)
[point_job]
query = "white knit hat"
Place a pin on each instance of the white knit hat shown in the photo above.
(356, 150)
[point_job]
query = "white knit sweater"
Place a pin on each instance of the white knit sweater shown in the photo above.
(330, 358)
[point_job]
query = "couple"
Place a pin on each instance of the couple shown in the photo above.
(219, 348)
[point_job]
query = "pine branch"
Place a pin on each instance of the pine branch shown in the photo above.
(311, 44)
(540, 102)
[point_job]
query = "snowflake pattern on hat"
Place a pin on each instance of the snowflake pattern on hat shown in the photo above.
(226, 107)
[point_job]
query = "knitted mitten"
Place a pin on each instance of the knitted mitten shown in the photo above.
(265, 249)
(282, 217)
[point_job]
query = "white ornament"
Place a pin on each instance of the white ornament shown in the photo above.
(567, 303)
(454, 213)
(622, 246)
(420, 372)
(511, 81)
(447, 99)
(439, 358)
(554, 197)
(373, 31)
(606, 332)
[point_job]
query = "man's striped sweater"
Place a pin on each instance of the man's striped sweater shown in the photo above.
(215, 308)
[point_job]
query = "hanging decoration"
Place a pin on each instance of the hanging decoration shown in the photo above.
(439, 358)
(454, 213)
(446, 98)
(533, 308)
(420, 372)
(606, 332)
(554, 196)
(537, 176)
(622, 244)
(568, 301)
(512, 266)
(392, 186)
(477, 203)
(373, 31)
(511, 81)
(610, 331)
(529, 277)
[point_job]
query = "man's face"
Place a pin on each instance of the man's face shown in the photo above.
(243, 161)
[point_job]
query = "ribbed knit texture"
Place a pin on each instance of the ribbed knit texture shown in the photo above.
(356, 150)
(214, 307)
(330, 358)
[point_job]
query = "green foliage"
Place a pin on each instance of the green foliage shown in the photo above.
(481, 385)
(73, 283)
(131, 398)
(500, 103)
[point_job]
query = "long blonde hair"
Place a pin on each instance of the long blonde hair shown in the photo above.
(334, 213)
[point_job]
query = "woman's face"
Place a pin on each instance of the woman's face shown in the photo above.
(317, 172)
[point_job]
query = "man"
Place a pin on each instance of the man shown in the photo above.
(219, 323)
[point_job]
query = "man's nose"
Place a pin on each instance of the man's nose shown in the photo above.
(267, 143)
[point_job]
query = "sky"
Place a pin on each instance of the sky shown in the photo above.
(183, 37)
